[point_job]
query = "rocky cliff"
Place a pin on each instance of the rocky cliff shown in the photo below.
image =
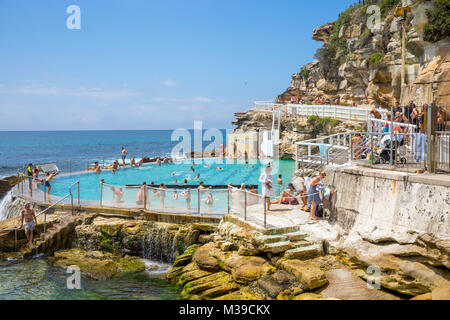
(362, 65)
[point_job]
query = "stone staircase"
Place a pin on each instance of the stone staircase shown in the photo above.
(292, 244)
(56, 237)
(288, 242)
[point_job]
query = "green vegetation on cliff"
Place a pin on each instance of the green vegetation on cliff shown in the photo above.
(438, 26)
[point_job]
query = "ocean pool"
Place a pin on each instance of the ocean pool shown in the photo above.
(234, 171)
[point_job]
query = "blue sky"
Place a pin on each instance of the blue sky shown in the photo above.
(144, 64)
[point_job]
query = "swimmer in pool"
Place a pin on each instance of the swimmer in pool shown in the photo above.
(162, 193)
(187, 196)
(209, 200)
(219, 168)
(117, 194)
(142, 195)
(175, 194)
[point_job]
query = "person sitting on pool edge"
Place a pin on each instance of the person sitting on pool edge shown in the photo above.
(97, 168)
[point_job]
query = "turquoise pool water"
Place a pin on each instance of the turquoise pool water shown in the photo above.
(234, 171)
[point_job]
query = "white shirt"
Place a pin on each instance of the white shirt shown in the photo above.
(266, 191)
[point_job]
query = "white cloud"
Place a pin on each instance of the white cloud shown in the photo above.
(202, 99)
(98, 93)
(184, 100)
(168, 83)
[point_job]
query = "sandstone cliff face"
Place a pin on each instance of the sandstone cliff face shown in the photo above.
(368, 68)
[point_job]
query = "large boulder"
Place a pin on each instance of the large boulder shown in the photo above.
(97, 265)
(204, 258)
(307, 274)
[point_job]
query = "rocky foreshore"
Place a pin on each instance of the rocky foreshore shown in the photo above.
(244, 264)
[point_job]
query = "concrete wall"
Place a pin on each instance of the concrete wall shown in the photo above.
(391, 206)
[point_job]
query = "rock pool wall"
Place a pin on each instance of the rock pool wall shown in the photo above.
(396, 222)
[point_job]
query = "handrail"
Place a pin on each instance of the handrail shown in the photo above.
(70, 191)
(44, 212)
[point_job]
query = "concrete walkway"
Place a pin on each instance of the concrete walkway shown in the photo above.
(280, 216)
(345, 285)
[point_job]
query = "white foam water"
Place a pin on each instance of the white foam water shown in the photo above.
(4, 204)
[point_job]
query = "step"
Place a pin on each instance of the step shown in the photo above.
(305, 252)
(271, 239)
(277, 247)
(296, 236)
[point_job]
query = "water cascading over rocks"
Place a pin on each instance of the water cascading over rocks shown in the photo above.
(11, 207)
(159, 244)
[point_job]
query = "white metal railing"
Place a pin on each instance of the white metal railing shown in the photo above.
(44, 212)
(378, 125)
(328, 111)
(398, 150)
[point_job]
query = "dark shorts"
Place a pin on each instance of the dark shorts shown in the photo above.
(123, 157)
(47, 184)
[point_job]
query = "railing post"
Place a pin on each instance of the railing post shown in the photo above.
(101, 193)
(15, 239)
(198, 200)
(265, 203)
(371, 149)
(145, 197)
(71, 200)
(228, 199)
(245, 205)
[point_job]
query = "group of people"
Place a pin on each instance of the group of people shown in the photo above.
(116, 165)
(308, 194)
(33, 173)
(412, 114)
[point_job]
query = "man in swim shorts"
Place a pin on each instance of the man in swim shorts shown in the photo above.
(30, 223)
(48, 178)
(124, 155)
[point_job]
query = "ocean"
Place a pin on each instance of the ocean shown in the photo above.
(18, 148)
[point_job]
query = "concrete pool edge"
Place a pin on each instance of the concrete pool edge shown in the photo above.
(151, 215)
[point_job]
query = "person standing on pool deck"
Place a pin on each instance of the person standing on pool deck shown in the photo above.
(30, 223)
(266, 180)
(313, 194)
(124, 155)
(30, 175)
